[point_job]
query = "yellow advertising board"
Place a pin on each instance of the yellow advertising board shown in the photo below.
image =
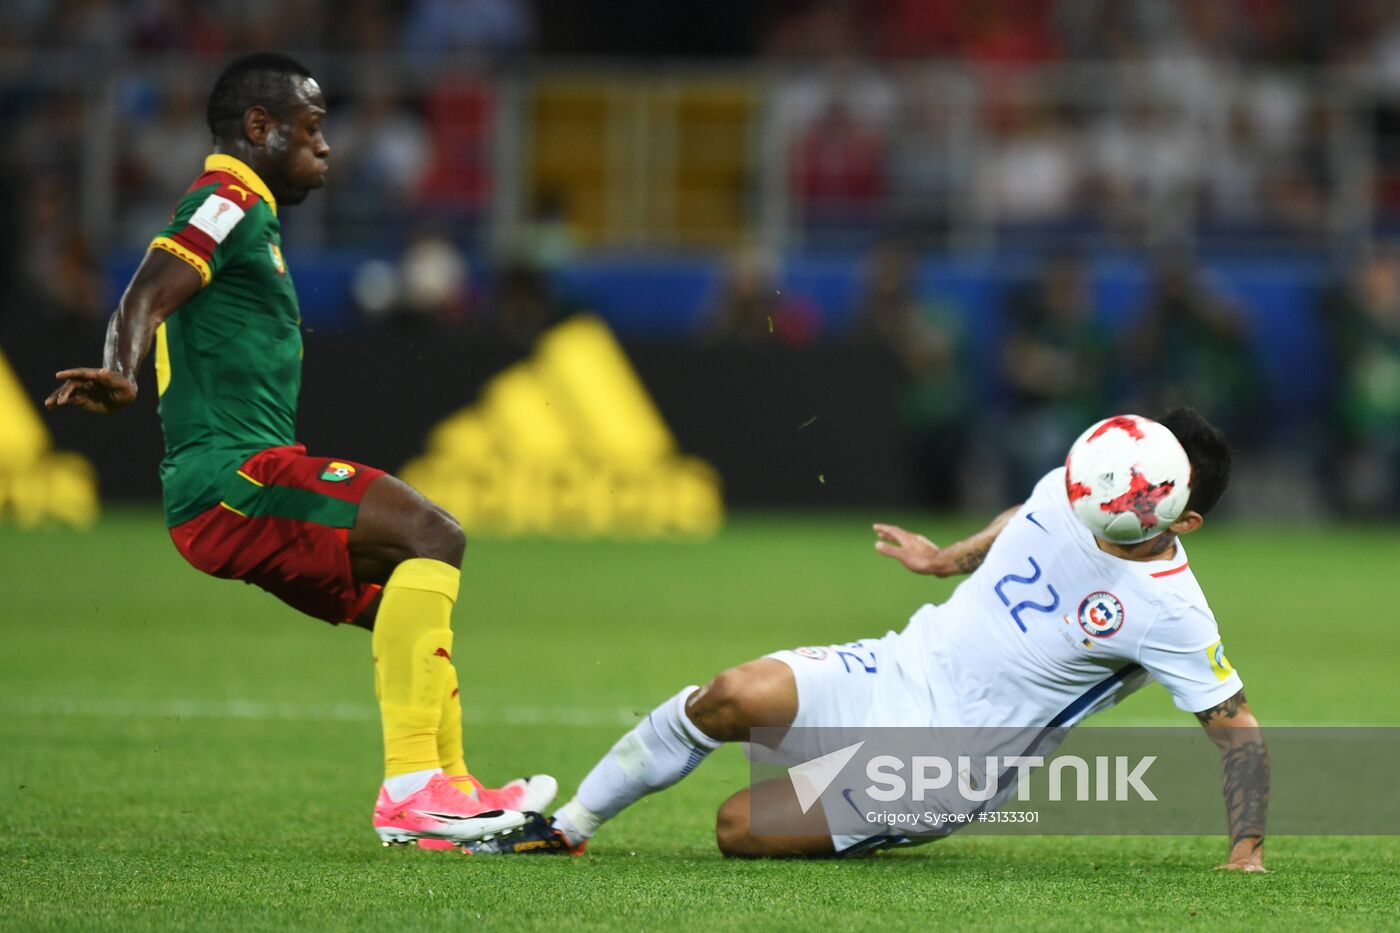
(37, 483)
(567, 443)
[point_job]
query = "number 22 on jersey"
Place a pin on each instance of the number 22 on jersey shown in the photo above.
(1025, 586)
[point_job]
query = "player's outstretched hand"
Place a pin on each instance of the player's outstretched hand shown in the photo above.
(914, 551)
(100, 390)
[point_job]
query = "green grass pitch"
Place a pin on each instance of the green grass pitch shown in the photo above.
(181, 752)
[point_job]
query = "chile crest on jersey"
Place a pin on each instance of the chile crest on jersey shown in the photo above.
(1101, 614)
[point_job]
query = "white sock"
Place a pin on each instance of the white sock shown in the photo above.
(658, 752)
(576, 821)
(401, 785)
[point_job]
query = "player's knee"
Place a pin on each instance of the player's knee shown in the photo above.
(438, 535)
(454, 539)
(732, 833)
(720, 708)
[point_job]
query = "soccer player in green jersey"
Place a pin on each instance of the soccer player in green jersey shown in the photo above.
(336, 539)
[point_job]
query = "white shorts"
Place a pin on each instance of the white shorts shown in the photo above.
(844, 687)
(835, 684)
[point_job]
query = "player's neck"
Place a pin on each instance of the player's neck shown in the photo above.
(255, 159)
(1161, 548)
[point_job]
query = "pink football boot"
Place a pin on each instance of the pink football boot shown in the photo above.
(439, 811)
(527, 793)
(532, 793)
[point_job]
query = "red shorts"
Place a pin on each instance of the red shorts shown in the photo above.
(283, 526)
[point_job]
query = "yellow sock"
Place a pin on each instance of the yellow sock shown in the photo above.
(449, 737)
(413, 661)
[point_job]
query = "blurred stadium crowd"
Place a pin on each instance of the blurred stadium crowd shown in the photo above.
(482, 148)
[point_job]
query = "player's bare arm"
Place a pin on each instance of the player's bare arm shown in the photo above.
(160, 285)
(921, 555)
(1245, 779)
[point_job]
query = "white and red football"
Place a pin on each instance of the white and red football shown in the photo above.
(1127, 478)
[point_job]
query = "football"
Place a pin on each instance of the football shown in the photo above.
(1127, 478)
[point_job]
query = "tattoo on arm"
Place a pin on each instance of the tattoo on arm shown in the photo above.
(1229, 709)
(972, 552)
(1245, 771)
(1246, 786)
(972, 558)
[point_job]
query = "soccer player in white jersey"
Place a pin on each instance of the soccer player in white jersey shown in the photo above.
(984, 658)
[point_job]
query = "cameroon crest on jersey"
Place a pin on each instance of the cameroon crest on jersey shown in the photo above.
(337, 472)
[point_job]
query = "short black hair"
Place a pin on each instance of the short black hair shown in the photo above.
(257, 79)
(1209, 453)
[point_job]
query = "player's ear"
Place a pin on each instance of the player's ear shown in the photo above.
(1188, 522)
(257, 124)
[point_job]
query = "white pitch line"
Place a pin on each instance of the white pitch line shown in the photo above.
(568, 716)
(286, 711)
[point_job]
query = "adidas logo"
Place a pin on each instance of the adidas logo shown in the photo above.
(38, 483)
(567, 443)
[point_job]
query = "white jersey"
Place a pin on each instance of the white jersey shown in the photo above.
(1050, 629)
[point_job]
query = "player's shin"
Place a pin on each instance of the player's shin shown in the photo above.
(451, 756)
(659, 751)
(413, 655)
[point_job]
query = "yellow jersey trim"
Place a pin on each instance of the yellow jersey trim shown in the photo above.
(233, 510)
(162, 361)
(179, 252)
(219, 162)
(248, 478)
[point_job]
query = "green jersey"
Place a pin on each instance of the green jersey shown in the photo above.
(228, 361)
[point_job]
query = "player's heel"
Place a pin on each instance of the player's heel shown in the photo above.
(395, 837)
